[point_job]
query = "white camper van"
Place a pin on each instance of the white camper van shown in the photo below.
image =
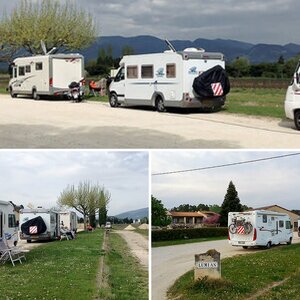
(164, 79)
(45, 75)
(39, 224)
(259, 228)
(292, 99)
(8, 225)
(68, 219)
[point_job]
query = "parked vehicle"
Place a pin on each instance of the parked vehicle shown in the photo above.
(168, 79)
(45, 75)
(259, 228)
(108, 225)
(68, 219)
(75, 92)
(39, 224)
(299, 228)
(8, 224)
(292, 99)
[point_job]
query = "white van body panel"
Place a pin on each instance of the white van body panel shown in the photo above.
(267, 227)
(51, 219)
(8, 226)
(47, 74)
(176, 90)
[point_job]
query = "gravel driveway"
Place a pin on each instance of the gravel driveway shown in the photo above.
(25, 123)
(171, 262)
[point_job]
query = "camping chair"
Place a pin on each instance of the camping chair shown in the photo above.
(13, 254)
(64, 234)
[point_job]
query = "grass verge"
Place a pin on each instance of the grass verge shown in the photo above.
(185, 241)
(55, 270)
(243, 276)
(258, 102)
(126, 278)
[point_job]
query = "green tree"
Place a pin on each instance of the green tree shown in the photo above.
(241, 66)
(60, 25)
(127, 50)
(103, 202)
(231, 203)
(86, 199)
(159, 213)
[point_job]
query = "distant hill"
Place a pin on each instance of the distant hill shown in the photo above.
(231, 48)
(134, 214)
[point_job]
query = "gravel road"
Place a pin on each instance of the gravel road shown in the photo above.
(138, 245)
(25, 123)
(171, 262)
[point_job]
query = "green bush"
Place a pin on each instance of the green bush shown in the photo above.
(189, 233)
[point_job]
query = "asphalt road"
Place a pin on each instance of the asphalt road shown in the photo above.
(25, 123)
(171, 262)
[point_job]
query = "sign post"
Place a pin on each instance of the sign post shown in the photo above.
(207, 265)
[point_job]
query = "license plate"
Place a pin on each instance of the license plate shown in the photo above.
(241, 243)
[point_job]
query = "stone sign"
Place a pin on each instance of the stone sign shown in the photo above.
(207, 265)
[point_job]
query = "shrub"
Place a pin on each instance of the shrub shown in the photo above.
(188, 233)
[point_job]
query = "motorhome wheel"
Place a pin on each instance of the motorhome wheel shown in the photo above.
(160, 106)
(290, 241)
(28, 241)
(297, 119)
(113, 100)
(35, 95)
(269, 244)
(12, 94)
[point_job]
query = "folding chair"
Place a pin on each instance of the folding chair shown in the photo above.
(12, 254)
(64, 234)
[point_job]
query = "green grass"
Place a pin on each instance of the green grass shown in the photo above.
(185, 241)
(259, 102)
(144, 232)
(126, 278)
(242, 276)
(55, 270)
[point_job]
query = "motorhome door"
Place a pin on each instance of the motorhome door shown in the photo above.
(296, 82)
(119, 84)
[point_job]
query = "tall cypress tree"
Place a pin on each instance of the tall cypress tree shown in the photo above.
(231, 203)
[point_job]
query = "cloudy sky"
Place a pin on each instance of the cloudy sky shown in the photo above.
(258, 184)
(38, 177)
(255, 21)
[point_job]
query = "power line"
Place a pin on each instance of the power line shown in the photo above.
(227, 165)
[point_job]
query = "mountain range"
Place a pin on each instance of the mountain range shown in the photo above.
(134, 214)
(256, 53)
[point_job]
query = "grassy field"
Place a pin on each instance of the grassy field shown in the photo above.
(126, 278)
(186, 241)
(258, 102)
(244, 276)
(55, 270)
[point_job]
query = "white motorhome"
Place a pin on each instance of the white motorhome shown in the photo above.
(68, 219)
(45, 75)
(298, 228)
(259, 228)
(292, 99)
(8, 224)
(29, 231)
(164, 79)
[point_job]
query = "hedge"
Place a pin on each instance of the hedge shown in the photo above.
(188, 233)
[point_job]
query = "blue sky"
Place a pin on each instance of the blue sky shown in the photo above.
(259, 184)
(268, 21)
(38, 177)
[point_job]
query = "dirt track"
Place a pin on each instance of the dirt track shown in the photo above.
(169, 263)
(138, 245)
(25, 123)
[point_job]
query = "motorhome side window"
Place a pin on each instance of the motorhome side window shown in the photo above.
(132, 72)
(39, 66)
(11, 221)
(281, 223)
(121, 75)
(147, 71)
(265, 218)
(28, 69)
(171, 70)
(15, 72)
(288, 225)
(21, 71)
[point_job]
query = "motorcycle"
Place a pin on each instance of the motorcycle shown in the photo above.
(75, 92)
